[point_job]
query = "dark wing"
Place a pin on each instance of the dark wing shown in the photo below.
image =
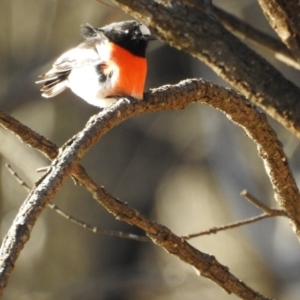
(55, 81)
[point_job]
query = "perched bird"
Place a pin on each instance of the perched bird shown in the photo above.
(109, 63)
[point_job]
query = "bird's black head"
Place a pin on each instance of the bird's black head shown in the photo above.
(131, 35)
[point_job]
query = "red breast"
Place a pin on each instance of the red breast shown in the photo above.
(132, 70)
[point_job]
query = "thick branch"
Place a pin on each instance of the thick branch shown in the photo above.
(195, 32)
(235, 106)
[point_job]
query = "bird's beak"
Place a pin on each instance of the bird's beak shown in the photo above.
(150, 37)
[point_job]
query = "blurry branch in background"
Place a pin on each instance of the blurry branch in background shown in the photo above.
(107, 4)
(196, 33)
(283, 16)
(170, 97)
(249, 33)
(268, 213)
(76, 221)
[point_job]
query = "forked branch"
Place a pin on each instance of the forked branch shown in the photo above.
(170, 97)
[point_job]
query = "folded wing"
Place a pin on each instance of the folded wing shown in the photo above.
(55, 81)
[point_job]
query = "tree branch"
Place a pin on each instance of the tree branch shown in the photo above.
(76, 221)
(205, 264)
(283, 16)
(249, 33)
(268, 213)
(245, 31)
(217, 229)
(236, 108)
(194, 32)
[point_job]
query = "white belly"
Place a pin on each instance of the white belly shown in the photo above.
(84, 82)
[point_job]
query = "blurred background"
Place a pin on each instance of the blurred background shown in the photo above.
(184, 169)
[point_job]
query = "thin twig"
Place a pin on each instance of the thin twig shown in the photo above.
(42, 169)
(270, 211)
(108, 5)
(18, 178)
(95, 229)
(77, 221)
(228, 226)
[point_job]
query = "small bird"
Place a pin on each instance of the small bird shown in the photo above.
(110, 63)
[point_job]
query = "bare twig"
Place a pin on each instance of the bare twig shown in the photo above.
(95, 229)
(268, 213)
(227, 226)
(76, 221)
(107, 4)
(18, 178)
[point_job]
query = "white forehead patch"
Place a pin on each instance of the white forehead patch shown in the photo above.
(144, 30)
